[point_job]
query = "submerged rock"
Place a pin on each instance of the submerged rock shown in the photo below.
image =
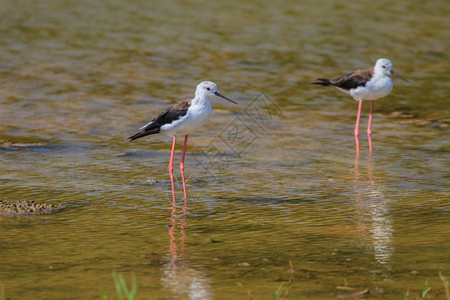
(25, 208)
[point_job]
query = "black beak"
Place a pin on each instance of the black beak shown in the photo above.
(395, 74)
(222, 96)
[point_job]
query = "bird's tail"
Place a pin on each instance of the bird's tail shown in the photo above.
(322, 81)
(143, 133)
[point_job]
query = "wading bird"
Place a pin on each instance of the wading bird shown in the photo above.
(182, 117)
(367, 84)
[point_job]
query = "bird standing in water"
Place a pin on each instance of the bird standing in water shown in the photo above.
(182, 117)
(368, 84)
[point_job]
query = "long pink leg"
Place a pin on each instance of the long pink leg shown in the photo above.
(357, 125)
(369, 126)
(171, 169)
(182, 167)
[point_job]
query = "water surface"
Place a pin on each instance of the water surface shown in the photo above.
(77, 78)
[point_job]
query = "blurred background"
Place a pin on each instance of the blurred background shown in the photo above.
(271, 182)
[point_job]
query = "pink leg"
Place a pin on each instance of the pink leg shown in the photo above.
(171, 169)
(357, 125)
(369, 126)
(182, 168)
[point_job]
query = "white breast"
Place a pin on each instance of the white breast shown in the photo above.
(377, 87)
(196, 116)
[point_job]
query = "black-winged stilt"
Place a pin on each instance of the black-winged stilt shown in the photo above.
(182, 117)
(367, 84)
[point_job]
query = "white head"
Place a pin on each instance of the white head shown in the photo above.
(208, 88)
(384, 66)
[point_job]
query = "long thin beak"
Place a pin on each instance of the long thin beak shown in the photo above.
(395, 74)
(222, 96)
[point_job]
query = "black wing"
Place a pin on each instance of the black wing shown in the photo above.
(171, 114)
(350, 81)
(353, 80)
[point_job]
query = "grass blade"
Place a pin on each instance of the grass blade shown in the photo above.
(104, 297)
(426, 289)
(118, 285)
(446, 285)
(278, 291)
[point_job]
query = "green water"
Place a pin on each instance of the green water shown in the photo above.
(77, 78)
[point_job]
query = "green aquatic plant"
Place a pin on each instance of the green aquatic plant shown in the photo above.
(426, 289)
(279, 295)
(279, 291)
(406, 296)
(446, 284)
(122, 289)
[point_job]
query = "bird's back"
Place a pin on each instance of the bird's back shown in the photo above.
(196, 115)
(173, 113)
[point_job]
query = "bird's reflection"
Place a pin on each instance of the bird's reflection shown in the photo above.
(178, 276)
(373, 213)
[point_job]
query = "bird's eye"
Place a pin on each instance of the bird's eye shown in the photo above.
(384, 67)
(208, 88)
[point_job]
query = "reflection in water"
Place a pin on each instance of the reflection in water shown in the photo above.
(373, 213)
(182, 280)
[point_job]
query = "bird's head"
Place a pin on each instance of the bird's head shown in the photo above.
(384, 66)
(209, 88)
(206, 87)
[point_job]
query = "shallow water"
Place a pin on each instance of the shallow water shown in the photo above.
(271, 181)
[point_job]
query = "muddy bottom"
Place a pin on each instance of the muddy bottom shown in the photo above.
(21, 208)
